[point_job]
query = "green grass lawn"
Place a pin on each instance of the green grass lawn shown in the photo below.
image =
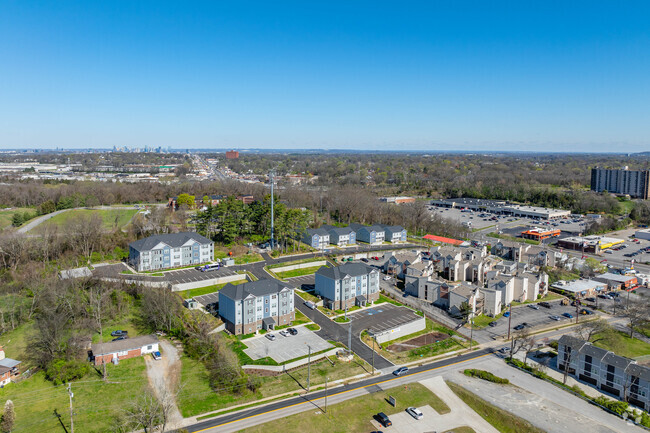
(6, 216)
(248, 258)
(15, 343)
(297, 272)
(307, 296)
(196, 396)
(621, 344)
(383, 299)
(186, 294)
(463, 429)
(502, 420)
(96, 402)
(111, 218)
(354, 415)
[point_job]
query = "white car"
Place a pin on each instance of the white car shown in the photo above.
(414, 412)
(386, 278)
(284, 333)
(533, 306)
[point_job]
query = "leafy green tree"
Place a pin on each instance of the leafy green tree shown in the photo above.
(185, 199)
(17, 219)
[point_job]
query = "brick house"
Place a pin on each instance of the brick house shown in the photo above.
(115, 351)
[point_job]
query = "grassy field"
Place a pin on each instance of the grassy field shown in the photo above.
(356, 413)
(463, 429)
(502, 420)
(95, 401)
(111, 218)
(621, 344)
(7, 215)
(297, 262)
(308, 296)
(186, 294)
(15, 342)
(297, 272)
(197, 397)
(248, 258)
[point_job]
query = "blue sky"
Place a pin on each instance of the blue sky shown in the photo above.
(430, 75)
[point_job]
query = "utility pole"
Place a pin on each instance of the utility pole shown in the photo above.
(471, 332)
(308, 368)
(272, 206)
(350, 338)
(70, 394)
(509, 320)
(373, 355)
(325, 393)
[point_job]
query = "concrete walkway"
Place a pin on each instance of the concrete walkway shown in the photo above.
(38, 221)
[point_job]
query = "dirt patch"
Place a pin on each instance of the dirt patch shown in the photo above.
(419, 341)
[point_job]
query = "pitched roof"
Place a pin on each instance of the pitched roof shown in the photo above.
(262, 287)
(616, 360)
(174, 240)
(571, 341)
(594, 351)
(9, 363)
(320, 231)
(347, 269)
(639, 371)
(340, 230)
(123, 345)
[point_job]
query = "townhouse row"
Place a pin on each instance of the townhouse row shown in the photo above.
(377, 234)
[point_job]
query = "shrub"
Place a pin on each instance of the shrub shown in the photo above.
(553, 344)
(61, 371)
(619, 407)
(485, 375)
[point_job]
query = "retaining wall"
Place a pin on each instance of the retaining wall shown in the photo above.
(402, 330)
(300, 266)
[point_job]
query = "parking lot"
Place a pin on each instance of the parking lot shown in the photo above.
(306, 282)
(173, 277)
(380, 318)
(284, 349)
(534, 318)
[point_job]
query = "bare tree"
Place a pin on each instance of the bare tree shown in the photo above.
(638, 313)
(13, 249)
(98, 300)
(8, 417)
(594, 330)
(143, 413)
(84, 233)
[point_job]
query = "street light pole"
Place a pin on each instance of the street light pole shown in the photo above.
(308, 368)
(373, 355)
(326, 394)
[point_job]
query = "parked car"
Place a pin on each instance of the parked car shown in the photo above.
(520, 327)
(568, 315)
(156, 355)
(506, 314)
(414, 412)
(400, 371)
(493, 323)
(284, 333)
(363, 259)
(585, 311)
(383, 419)
(556, 318)
(386, 278)
(590, 299)
(270, 337)
(533, 306)
(123, 337)
(545, 304)
(310, 305)
(292, 331)
(119, 333)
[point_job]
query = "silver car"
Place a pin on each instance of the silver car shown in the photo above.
(414, 412)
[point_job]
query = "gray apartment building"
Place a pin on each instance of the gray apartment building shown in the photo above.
(373, 235)
(316, 238)
(249, 307)
(394, 234)
(170, 251)
(636, 183)
(341, 236)
(605, 370)
(347, 285)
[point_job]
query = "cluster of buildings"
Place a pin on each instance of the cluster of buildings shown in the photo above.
(635, 183)
(449, 277)
(588, 244)
(614, 374)
(209, 200)
(502, 208)
(609, 281)
(397, 200)
(376, 234)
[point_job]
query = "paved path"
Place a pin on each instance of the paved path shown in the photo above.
(38, 221)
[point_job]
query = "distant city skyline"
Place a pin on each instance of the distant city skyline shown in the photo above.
(424, 76)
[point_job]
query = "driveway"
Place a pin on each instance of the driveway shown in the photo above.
(284, 349)
(163, 377)
(39, 220)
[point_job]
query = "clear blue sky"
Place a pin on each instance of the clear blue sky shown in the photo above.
(484, 75)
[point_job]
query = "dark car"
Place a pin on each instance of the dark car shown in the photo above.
(520, 327)
(585, 311)
(568, 315)
(364, 260)
(590, 299)
(545, 304)
(123, 337)
(383, 419)
(119, 333)
(292, 331)
(493, 324)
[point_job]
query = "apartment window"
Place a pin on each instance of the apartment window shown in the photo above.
(266, 310)
(266, 301)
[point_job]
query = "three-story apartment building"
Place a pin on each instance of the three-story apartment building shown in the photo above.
(262, 304)
(170, 251)
(347, 285)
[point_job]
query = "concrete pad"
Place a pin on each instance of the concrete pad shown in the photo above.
(284, 349)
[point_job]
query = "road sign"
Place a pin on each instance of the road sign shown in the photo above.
(391, 400)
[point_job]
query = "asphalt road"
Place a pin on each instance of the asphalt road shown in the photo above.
(371, 382)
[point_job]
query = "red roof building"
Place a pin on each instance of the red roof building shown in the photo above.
(443, 240)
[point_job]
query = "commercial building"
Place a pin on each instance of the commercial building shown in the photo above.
(588, 244)
(503, 208)
(538, 234)
(397, 200)
(262, 304)
(170, 250)
(232, 154)
(614, 374)
(347, 285)
(617, 281)
(580, 288)
(115, 351)
(635, 183)
(642, 234)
